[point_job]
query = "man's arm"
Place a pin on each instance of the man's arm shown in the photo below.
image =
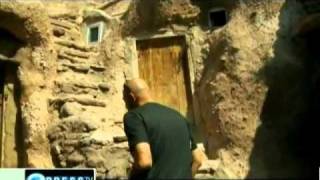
(142, 156)
(198, 157)
(138, 143)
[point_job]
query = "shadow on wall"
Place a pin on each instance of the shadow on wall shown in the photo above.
(282, 145)
(19, 126)
(214, 140)
(9, 44)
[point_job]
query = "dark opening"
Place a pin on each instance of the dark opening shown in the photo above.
(94, 34)
(217, 18)
(9, 44)
(290, 111)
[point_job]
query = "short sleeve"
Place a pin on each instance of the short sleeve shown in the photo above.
(134, 129)
(193, 144)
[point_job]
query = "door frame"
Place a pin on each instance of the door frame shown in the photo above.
(131, 56)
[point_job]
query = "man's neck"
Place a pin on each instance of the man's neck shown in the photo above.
(143, 102)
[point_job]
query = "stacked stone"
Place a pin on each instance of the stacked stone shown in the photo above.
(83, 135)
(72, 146)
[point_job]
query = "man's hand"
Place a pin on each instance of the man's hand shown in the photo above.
(198, 156)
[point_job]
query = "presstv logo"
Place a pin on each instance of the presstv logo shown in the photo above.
(60, 174)
(36, 176)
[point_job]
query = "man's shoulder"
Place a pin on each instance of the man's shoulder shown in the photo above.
(154, 110)
(131, 115)
(147, 108)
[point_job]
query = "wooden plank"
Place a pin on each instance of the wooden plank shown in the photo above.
(10, 133)
(5, 59)
(2, 73)
(162, 64)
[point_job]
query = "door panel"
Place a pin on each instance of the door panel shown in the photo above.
(1, 110)
(163, 65)
(10, 112)
(11, 137)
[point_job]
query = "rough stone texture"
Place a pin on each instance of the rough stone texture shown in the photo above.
(159, 14)
(72, 100)
(235, 74)
(88, 101)
(29, 23)
(76, 142)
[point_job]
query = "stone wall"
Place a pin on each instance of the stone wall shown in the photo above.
(87, 103)
(72, 98)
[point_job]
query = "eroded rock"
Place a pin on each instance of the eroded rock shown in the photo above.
(70, 109)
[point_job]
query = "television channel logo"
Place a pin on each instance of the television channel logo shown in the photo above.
(60, 174)
(36, 176)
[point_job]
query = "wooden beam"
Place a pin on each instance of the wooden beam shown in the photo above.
(4, 58)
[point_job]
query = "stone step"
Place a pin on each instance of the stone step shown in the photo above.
(98, 68)
(61, 32)
(83, 68)
(76, 56)
(64, 24)
(68, 89)
(79, 84)
(68, 16)
(69, 19)
(77, 53)
(87, 101)
(71, 76)
(62, 57)
(81, 87)
(96, 86)
(74, 45)
(80, 67)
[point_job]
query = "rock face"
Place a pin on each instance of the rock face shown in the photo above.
(72, 100)
(232, 109)
(74, 143)
(239, 115)
(30, 24)
(158, 14)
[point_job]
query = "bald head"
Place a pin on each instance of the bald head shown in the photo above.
(139, 90)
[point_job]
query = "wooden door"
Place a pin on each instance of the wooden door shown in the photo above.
(1, 110)
(163, 65)
(10, 131)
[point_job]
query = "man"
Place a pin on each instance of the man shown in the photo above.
(159, 138)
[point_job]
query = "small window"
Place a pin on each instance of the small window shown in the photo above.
(94, 32)
(217, 17)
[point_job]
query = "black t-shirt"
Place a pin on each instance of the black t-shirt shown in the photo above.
(169, 136)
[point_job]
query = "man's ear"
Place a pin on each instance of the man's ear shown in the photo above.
(128, 99)
(130, 83)
(133, 96)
